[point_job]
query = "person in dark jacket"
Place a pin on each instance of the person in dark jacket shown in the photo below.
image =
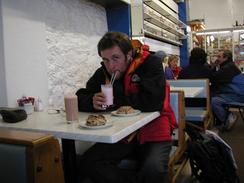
(197, 67)
(140, 84)
(228, 86)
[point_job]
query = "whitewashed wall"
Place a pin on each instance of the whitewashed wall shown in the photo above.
(49, 47)
(217, 13)
(73, 29)
(3, 94)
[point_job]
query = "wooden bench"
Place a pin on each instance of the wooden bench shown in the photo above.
(28, 157)
(197, 108)
(178, 159)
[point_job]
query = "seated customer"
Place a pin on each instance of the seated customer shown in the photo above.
(140, 84)
(197, 67)
(173, 70)
(227, 86)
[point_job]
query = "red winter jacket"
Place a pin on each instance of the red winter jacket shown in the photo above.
(159, 129)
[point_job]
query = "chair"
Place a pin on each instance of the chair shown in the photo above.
(178, 159)
(197, 108)
(28, 157)
(237, 105)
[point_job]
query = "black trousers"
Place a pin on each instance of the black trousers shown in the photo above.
(100, 163)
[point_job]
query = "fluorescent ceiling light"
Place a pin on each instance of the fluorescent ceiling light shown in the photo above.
(207, 33)
(239, 30)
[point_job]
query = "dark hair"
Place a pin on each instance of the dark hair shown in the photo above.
(160, 54)
(111, 39)
(227, 54)
(198, 56)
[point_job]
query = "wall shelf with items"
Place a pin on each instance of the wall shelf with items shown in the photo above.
(155, 4)
(152, 31)
(155, 19)
(158, 20)
(148, 34)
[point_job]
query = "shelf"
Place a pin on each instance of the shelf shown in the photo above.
(158, 31)
(156, 44)
(152, 4)
(157, 37)
(162, 25)
(152, 21)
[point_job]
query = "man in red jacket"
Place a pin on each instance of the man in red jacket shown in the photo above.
(139, 83)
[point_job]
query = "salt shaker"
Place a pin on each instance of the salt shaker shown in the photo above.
(38, 105)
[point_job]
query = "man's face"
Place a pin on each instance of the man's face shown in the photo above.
(115, 60)
(221, 58)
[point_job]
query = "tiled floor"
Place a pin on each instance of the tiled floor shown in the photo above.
(235, 138)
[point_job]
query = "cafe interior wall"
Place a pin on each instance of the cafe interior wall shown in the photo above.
(3, 99)
(49, 48)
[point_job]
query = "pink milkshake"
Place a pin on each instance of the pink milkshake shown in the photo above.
(107, 90)
(71, 108)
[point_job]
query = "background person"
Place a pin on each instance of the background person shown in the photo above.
(140, 84)
(162, 55)
(173, 70)
(198, 67)
(227, 86)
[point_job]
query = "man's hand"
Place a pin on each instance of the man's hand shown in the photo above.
(98, 101)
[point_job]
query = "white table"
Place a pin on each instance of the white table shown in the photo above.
(56, 125)
(188, 91)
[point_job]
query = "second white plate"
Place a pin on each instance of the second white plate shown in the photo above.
(136, 112)
(84, 125)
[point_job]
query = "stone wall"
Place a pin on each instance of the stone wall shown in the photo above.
(73, 29)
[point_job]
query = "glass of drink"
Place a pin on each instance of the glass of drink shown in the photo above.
(107, 90)
(71, 108)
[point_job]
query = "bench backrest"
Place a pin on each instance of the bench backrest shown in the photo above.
(13, 163)
(204, 83)
(29, 157)
(200, 101)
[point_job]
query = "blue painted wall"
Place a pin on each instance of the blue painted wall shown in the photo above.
(184, 56)
(118, 18)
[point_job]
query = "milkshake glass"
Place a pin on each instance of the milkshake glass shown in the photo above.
(107, 90)
(71, 108)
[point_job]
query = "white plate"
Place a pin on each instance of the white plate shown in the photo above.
(136, 112)
(108, 124)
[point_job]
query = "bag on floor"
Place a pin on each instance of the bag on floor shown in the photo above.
(211, 159)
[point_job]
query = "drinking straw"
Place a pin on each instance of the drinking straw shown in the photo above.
(113, 78)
